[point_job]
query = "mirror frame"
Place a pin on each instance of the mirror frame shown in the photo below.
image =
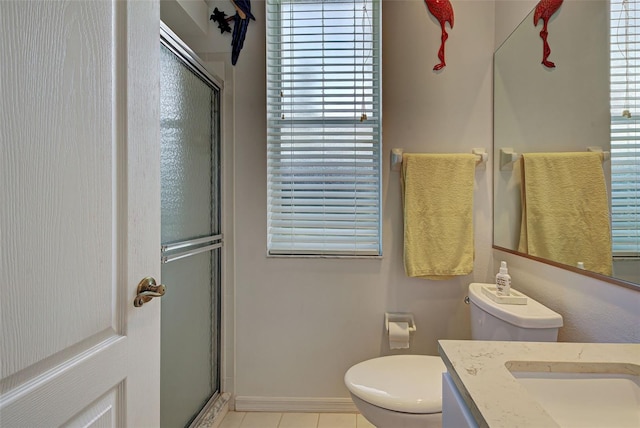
(598, 276)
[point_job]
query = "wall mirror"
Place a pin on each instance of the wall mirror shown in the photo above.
(569, 108)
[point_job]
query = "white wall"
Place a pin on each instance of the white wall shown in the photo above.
(301, 323)
(592, 310)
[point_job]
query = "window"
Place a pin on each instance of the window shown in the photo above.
(323, 119)
(625, 147)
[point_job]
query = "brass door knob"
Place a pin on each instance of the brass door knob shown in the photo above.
(147, 290)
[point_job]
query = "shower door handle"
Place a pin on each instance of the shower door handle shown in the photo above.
(147, 290)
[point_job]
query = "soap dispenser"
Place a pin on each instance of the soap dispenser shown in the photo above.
(503, 280)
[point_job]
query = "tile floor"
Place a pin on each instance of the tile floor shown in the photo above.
(294, 420)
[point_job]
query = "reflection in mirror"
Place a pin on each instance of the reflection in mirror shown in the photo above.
(570, 108)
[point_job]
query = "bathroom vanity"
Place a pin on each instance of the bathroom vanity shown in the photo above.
(533, 384)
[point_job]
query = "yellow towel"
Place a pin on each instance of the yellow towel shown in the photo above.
(438, 214)
(565, 210)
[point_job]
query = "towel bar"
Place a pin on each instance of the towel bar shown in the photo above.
(605, 155)
(508, 157)
(396, 158)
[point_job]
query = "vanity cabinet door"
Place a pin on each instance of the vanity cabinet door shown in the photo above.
(455, 413)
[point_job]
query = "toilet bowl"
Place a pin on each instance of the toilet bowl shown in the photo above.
(405, 391)
(399, 391)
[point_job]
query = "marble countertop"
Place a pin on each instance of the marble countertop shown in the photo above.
(480, 370)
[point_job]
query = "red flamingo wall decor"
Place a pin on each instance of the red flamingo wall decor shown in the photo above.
(544, 10)
(443, 12)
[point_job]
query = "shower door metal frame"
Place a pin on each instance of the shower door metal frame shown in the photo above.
(190, 247)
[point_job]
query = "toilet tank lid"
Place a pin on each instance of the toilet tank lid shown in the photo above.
(531, 315)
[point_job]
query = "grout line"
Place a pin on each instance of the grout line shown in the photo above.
(282, 414)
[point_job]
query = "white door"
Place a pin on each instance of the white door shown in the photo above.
(79, 213)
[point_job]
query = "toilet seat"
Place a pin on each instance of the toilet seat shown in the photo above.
(402, 383)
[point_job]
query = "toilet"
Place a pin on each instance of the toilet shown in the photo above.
(405, 391)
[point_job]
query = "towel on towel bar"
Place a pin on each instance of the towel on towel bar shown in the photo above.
(565, 210)
(438, 214)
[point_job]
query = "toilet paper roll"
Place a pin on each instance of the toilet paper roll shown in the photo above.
(398, 335)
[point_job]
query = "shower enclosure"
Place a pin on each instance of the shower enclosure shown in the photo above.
(191, 234)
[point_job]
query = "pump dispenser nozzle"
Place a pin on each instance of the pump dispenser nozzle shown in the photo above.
(503, 267)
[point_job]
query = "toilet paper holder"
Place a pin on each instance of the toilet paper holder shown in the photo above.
(399, 317)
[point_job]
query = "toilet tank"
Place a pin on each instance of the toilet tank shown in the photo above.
(490, 320)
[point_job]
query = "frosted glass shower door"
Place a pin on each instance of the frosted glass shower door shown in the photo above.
(190, 179)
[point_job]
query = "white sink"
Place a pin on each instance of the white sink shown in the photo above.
(592, 398)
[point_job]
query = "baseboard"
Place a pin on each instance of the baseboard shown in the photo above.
(294, 404)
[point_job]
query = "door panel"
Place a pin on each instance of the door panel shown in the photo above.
(79, 224)
(53, 209)
(100, 414)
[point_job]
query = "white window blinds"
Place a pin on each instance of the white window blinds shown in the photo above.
(323, 120)
(625, 147)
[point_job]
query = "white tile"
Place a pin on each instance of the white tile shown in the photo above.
(299, 420)
(261, 420)
(337, 420)
(232, 420)
(362, 422)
